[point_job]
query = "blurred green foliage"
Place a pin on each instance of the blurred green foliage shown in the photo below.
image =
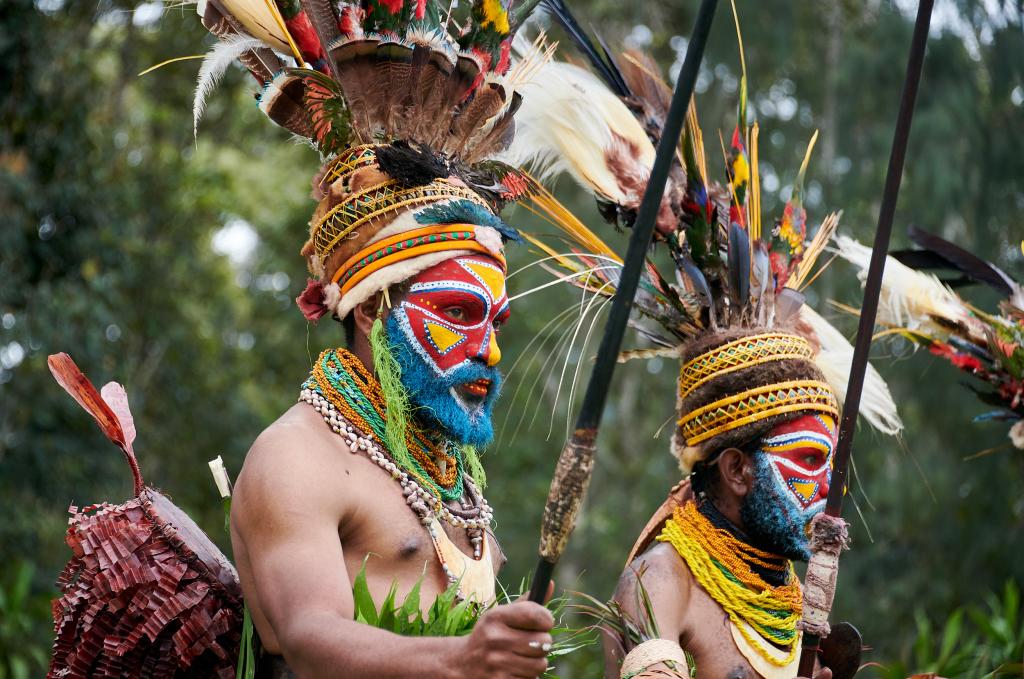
(975, 641)
(119, 231)
(22, 638)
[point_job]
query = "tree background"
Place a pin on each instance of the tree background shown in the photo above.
(170, 264)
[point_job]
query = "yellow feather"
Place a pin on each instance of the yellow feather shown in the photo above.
(170, 61)
(799, 279)
(560, 216)
(754, 204)
(807, 155)
(263, 20)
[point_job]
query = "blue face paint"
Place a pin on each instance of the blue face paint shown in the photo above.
(772, 517)
(437, 400)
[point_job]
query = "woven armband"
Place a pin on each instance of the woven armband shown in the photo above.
(654, 652)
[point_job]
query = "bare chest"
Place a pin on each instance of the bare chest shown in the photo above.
(708, 637)
(386, 537)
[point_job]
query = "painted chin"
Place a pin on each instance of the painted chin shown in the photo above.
(472, 396)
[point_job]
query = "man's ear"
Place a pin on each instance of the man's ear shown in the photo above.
(365, 314)
(734, 468)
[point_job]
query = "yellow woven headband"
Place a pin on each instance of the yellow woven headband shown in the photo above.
(739, 354)
(754, 405)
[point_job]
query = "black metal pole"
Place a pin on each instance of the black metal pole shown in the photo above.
(576, 461)
(873, 287)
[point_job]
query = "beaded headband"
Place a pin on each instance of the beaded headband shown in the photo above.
(754, 405)
(739, 354)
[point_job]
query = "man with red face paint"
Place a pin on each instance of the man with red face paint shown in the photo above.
(755, 439)
(375, 470)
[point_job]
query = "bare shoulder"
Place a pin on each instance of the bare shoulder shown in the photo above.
(665, 579)
(296, 462)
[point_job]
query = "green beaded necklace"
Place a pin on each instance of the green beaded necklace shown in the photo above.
(335, 380)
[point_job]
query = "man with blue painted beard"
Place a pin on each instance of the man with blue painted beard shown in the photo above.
(755, 439)
(374, 477)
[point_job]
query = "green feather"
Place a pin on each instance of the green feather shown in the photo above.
(471, 462)
(396, 398)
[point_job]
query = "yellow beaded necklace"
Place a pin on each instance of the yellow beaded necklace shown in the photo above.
(721, 564)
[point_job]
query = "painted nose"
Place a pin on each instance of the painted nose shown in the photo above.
(490, 353)
(822, 493)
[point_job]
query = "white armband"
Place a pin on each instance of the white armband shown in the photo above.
(651, 653)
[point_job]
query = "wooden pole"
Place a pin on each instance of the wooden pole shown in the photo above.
(872, 290)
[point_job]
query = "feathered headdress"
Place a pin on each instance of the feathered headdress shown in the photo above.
(407, 116)
(753, 353)
(925, 310)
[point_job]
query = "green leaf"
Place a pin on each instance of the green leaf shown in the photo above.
(365, 610)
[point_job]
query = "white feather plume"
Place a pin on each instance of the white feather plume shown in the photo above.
(215, 64)
(570, 122)
(909, 299)
(834, 360)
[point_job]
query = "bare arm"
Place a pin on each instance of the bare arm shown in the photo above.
(288, 524)
(658, 567)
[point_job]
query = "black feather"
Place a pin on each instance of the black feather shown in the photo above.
(958, 259)
(739, 265)
(922, 260)
(411, 165)
(695, 276)
(606, 68)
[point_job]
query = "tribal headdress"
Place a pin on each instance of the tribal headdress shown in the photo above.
(923, 309)
(407, 117)
(753, 354)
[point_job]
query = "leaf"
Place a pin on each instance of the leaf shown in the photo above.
(117, 398)
(411, 605)
(386, 617)
(365, 610)
(67, 374)
(82, 390)
(951, 635)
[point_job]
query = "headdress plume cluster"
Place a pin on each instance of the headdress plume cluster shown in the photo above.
(733, 277)
(409, 108)
(918, 306)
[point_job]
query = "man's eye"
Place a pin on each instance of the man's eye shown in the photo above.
(456, 313)
(811, 459)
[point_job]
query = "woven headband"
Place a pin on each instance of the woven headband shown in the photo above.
(435, 238)
(754, 405)
(739, 354)
(377, 201)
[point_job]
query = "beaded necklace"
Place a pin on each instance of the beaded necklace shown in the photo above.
(724, 566)
(349, 399)
(341, 378)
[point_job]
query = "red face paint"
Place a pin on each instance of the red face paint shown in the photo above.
(452, 312)
(801, 455)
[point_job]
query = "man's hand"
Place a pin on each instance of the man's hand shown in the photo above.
(507, 642)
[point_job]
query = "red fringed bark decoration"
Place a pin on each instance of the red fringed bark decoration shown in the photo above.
(145, 594)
